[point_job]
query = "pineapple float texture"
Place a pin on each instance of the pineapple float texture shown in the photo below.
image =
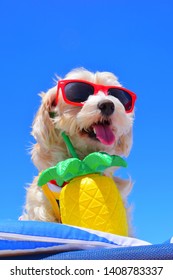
(93, 201)
(88, 199)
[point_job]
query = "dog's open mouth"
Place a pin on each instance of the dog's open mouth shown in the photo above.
(102, 132)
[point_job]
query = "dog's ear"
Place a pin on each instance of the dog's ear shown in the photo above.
(124, 144)
(43, 125)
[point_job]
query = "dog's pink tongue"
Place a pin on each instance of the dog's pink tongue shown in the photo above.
(104, 134)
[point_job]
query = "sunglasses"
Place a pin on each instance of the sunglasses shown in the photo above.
(76, 92)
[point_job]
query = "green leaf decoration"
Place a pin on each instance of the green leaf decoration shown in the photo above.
(100, 161)
(68, 169)
(47, 175)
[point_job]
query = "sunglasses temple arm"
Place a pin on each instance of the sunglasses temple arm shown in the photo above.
(69, 145)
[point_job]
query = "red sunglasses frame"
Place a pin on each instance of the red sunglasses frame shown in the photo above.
(104, 88)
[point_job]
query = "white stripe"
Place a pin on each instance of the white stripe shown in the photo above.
(20, 237)
(118, 239)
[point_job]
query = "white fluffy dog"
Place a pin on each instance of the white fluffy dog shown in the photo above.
(98, 119)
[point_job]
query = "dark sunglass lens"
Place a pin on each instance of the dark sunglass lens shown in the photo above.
(123, 96)
(78, 91)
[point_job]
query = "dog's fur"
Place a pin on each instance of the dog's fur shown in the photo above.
(75, 121)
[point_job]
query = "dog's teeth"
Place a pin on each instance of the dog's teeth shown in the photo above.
(94, 130)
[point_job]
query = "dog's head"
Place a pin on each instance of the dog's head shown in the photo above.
(89, 107)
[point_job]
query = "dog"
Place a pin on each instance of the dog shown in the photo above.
(96, 113)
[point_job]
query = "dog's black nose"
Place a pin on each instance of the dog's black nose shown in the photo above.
(107, 107)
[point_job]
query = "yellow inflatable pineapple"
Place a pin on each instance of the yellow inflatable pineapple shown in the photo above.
(88, 199)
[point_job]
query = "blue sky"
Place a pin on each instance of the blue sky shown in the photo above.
(133, 39)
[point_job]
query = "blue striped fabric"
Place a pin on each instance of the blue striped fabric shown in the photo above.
(31, 239)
